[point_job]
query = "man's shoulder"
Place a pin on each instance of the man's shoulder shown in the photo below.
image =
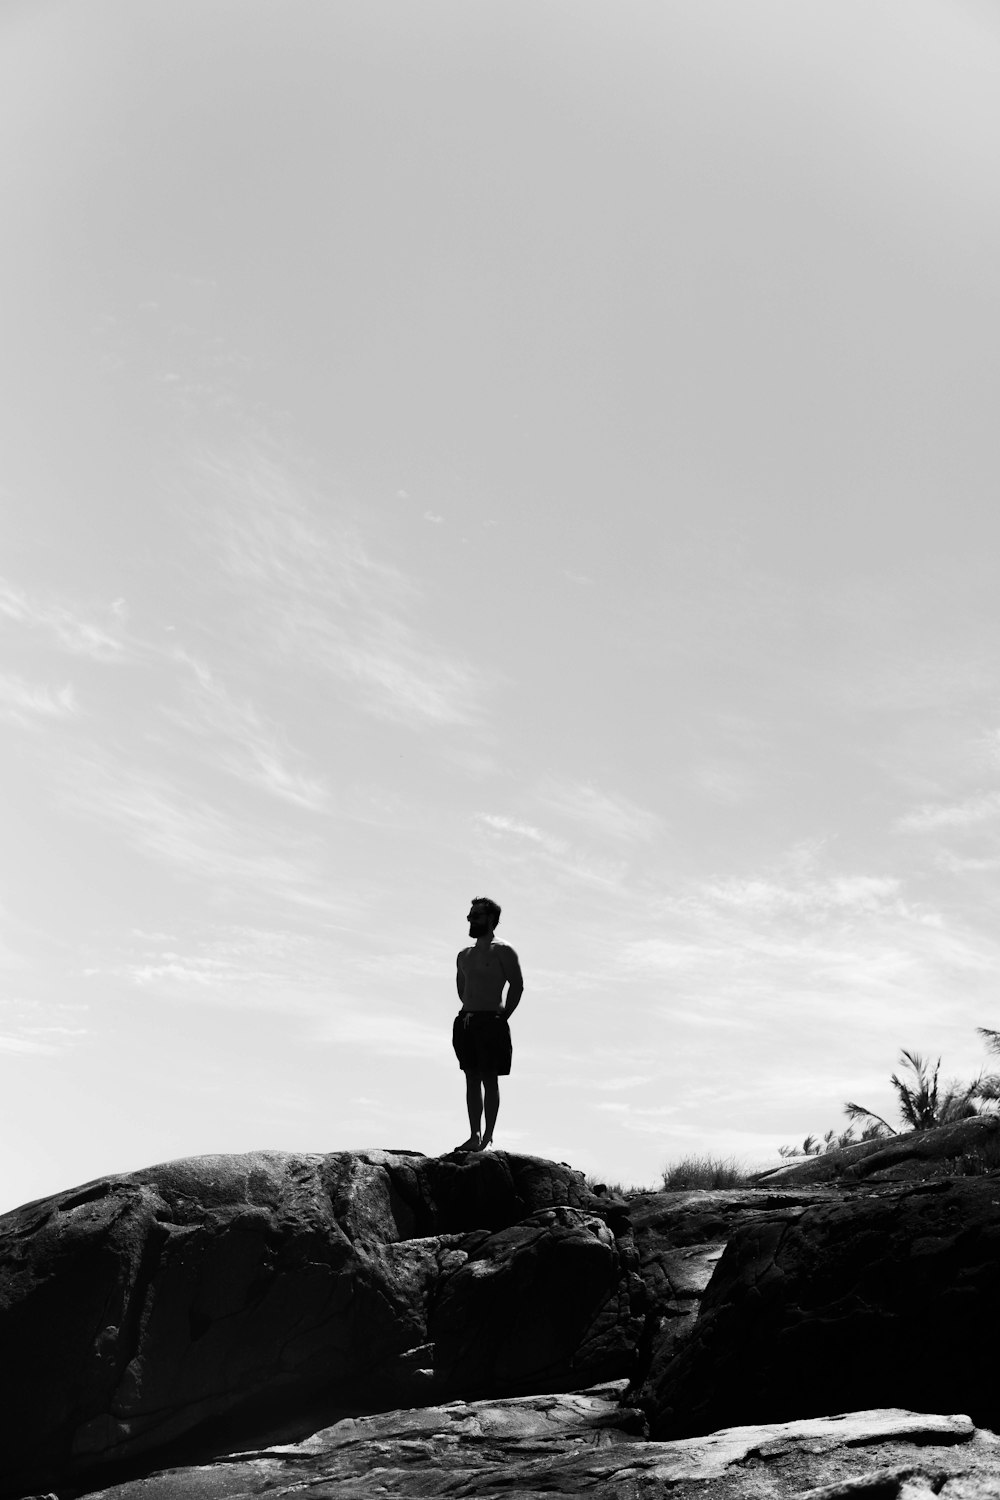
(506, 951)
(464, 953)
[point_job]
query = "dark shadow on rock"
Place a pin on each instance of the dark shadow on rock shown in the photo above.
(169, 1311)
(889, 1300)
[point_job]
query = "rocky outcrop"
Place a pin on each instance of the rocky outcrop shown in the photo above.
(587, 1444)
(886, 1300)
(216, 1311)
(152, 1314)
(968, 1147)
(680, 1237)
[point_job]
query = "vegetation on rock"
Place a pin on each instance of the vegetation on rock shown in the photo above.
(704, 1172)
(923, 1103)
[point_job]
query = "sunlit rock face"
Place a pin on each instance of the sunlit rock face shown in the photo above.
(587, 1443)
(148, 1311)
(889, 1299)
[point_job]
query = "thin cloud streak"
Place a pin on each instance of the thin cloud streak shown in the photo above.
(968, 814)
(199, 839)
(526, 842)
(79, 636)
(328, 603)
(604, 813)
(24, 1046)
(269, 969)
(25, 703)
(839, 893)
(242, 744)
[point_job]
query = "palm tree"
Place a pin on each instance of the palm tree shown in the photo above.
(922, 1105)
(987, 1085)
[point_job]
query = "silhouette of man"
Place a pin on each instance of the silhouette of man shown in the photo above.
(481, 1035)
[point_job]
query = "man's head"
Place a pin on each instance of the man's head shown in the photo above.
(484, 915)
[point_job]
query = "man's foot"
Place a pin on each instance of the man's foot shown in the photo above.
(483, 1145)
(472, 1144)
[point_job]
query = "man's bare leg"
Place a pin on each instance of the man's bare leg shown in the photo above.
(474, 1102)
(491, 1098)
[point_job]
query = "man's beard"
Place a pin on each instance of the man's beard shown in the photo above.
(478, 928)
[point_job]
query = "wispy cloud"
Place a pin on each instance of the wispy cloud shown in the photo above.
(327, 603)
(762, 897)
(657, 955)
(242, 743)
(958, 864)
(603, 812)
(387, 1033)
(641, 1119)
(931, 817)
(81, 637)
(617, 1085)
(26, 1046)
(32, 1028)
(526, 840)
(264, 968)
(852, 949)
(291, 973)
(400, 677)
(27, 703)
(210, 845)
(514, 827)
(726, 781)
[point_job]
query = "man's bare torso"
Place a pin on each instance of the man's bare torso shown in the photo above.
(485, 971)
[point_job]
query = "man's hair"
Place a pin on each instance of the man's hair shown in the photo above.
(494, 909)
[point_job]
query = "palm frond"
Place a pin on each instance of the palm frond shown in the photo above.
(991, 1038)
(859, 1112)
(918, 1104)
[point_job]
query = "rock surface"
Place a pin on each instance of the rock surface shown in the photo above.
(968, 1146)
(184, 1304)
(585, 1444)
(884, 1300)
(223, 1304)
(680, 1237)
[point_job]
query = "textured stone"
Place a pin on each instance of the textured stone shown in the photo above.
(584, 1443)
(186, 1303)
(967, 1146)
(887, 1300)
(680, 1237)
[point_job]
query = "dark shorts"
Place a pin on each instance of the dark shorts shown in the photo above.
(481, 1039)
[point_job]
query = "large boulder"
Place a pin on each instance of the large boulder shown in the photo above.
(887, 1300)
(168, 1311)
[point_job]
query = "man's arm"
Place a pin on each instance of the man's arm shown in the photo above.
(460, 975)
(512, 969)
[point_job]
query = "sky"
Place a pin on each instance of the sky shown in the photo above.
(541, 449)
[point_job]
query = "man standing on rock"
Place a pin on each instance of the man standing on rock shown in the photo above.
(481, 1035)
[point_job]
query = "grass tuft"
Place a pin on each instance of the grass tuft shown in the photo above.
(705, 1172)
